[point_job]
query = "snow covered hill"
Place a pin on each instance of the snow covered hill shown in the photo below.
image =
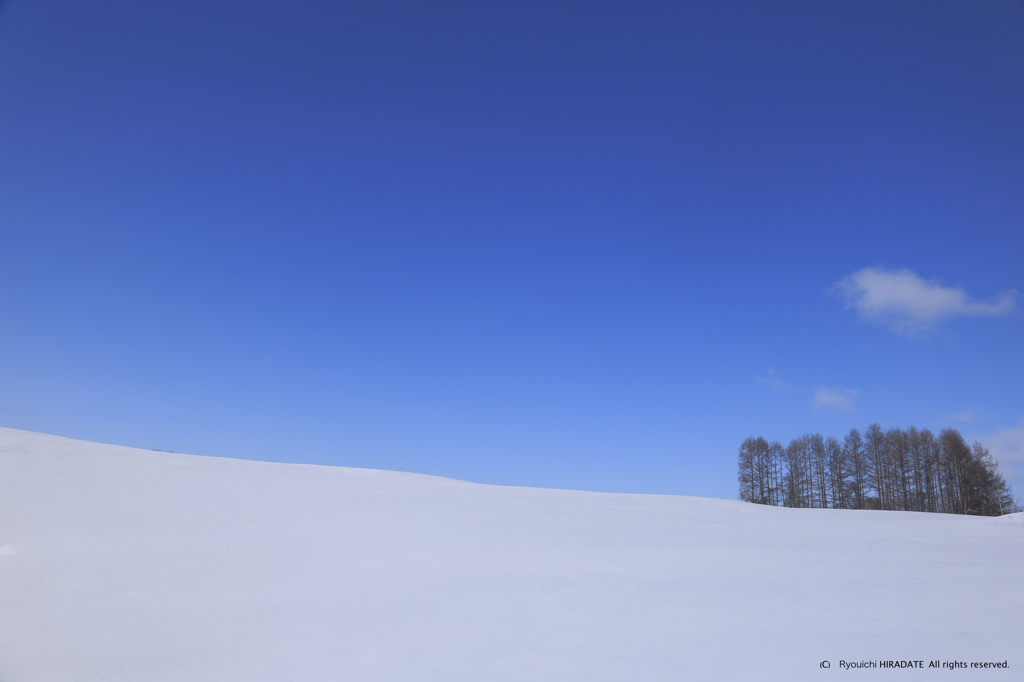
(125, 564)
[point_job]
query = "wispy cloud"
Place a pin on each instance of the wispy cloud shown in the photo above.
(1007, 446)
(908, 303)
(967, 414)
(772, 378)
(842, 399)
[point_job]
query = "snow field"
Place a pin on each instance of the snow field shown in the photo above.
(125, 564)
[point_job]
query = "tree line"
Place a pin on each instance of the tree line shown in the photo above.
(895, 469)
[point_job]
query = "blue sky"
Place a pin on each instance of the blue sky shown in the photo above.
(582, 245)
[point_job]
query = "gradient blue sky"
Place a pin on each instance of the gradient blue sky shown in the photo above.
(582, 245)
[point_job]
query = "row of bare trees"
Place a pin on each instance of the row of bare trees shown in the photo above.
(908, 470)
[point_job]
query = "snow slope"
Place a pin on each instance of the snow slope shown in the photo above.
(124, 564)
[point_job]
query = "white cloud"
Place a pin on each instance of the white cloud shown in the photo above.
(771, 378)
(1007, 446)
(908, 303)
(835, 399)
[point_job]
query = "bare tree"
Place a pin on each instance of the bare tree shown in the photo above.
(900, 469)
(853, 449)
(907, 470)
(775, 457)
(746, 470)
(819, 469)
(917, 454)
(838, 473)
(876, 456)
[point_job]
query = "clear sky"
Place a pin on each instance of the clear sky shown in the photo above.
(584, 245)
